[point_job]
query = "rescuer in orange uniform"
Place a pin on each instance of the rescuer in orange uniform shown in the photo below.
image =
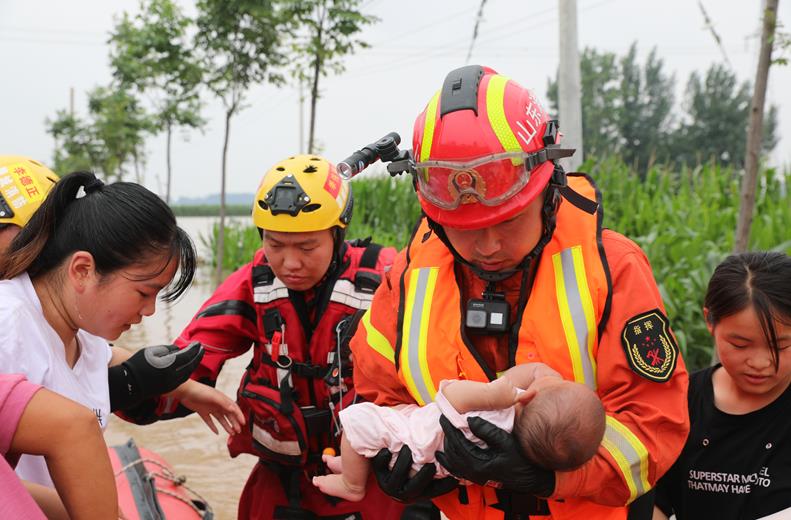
(510, 265)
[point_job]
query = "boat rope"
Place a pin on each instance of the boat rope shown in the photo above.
(177, 480)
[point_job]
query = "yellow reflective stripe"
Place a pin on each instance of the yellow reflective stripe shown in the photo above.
(423, 343)
(576, 313)
(428, 127)
(405, 346)
(566, 320)
(587, 305)
(413, 362)
(495, 107)
(630, 455)
(376, 340)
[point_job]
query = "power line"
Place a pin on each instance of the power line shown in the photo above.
(475, 30)
(430, 25)
(451, 47)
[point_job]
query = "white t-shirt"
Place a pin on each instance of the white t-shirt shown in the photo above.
(30, 346)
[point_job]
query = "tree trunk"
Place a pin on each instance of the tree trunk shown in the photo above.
(169, 168)
(314, 89)
(221, 229)
(755, 130)
(314, 95)
(569, 87)
(301, 147)
(138, 175)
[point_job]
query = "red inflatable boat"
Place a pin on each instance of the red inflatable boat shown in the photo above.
(149, 490)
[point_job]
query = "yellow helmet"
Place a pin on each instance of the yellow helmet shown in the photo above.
(24, 184)
(303, 193)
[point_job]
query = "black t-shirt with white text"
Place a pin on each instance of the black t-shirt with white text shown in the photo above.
(732, 466)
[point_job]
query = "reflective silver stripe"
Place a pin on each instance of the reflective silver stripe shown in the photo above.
(267, 293)
(577, 315)
(630, 456)
(414, 334)
(283, 447)
(345, 293)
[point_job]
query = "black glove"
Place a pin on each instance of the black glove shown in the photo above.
(150, 372)
(501, 465)
(397, 484)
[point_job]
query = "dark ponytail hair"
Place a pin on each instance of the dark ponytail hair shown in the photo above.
(760, 279)
(119, 224)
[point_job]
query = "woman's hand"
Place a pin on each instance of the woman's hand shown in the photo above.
(210, 403)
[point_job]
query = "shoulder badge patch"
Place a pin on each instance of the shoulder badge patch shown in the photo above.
(650, 347)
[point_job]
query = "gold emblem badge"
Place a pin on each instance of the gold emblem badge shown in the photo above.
(467, 186)
(650, 347)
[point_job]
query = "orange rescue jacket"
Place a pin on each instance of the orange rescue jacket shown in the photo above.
(561, 325)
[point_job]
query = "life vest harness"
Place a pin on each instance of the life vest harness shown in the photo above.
(293, 386)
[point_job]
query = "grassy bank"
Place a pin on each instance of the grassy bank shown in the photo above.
(234, 210)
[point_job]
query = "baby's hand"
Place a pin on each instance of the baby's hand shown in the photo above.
(209, 402)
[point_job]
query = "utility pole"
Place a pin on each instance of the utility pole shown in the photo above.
(569, 88)
(71, 101)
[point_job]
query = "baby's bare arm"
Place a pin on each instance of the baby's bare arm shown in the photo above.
(467, 396)
(522, 376)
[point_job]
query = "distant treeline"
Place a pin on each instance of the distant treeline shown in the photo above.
(210, 210)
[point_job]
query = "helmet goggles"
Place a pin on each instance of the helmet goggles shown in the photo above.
(488, 180)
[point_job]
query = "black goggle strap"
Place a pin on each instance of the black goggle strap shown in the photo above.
(550, 153)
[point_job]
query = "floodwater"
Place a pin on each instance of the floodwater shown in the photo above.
(187, 444)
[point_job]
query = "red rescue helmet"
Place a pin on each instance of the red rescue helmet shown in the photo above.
(480, 152)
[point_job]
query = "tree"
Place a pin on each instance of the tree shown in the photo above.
(150, 53)
(625, 107)
(110, 141)
(599, 82)
(646, 99)
(75, 144)
(323, 32)
(628, 110)
(754, 131)
(717, 109)
(241, 43)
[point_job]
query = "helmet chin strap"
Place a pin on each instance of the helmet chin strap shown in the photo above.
(552, 197)
(338, 248)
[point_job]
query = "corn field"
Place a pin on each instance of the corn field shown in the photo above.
(684, 221)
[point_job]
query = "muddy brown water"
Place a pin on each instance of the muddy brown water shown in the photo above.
(187, 444)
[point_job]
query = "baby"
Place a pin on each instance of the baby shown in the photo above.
(558, 425)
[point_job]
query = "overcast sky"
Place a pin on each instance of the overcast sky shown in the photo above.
(48, 47)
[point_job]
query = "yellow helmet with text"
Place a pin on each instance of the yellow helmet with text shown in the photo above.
(303, 193)
(24, 184)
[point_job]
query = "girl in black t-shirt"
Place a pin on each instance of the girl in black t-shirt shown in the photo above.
(736, 463)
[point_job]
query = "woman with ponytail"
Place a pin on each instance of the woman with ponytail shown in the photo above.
(89, 264)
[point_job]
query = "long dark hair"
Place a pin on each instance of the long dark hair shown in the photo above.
(760, 279)
(119, 224)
